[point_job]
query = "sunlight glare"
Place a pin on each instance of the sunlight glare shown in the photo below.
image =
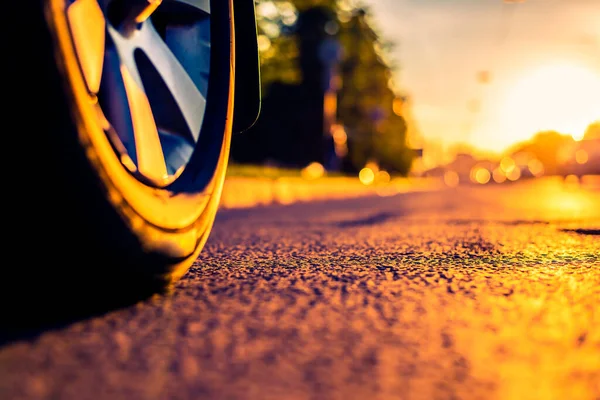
(559, 97)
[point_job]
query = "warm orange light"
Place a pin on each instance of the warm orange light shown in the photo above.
(151, 162)
(514, 174)
(340, 139)
(451, 178)
(479, 175)
(472, 174)
(581, 156)
(572, 181)
(398, 106)
(88, 27)
(313, 171)
(373, 166)
(149, 7)
(128, 163)
(383, 177)
(535, 167)
(564, 97)
(330, 103)
(483, 77)
(507, 164)
(482, 176)
(499, 176)
(339, 134)
(366, 176)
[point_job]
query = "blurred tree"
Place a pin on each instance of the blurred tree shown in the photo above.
(377, 129)
(549, 147)
(277, 43)
(367, 103)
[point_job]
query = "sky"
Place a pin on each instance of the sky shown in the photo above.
(542, 59)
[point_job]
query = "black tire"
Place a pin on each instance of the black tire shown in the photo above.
(90, 234)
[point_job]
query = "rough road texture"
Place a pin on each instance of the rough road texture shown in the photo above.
(470, 293)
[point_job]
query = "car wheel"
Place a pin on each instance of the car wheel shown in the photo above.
(129, 119)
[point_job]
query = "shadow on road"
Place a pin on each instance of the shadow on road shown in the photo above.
(30, 311)
(374, 219)
(592, 232)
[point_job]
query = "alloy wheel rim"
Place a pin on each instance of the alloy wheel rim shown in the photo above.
(147, 64)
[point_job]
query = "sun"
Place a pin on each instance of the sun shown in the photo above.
(560, 97)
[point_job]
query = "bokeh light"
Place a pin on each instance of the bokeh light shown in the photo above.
(482, 176)
(264, 43)
(581, 156)
(313, 171)
(383, 177)
(507, 164)
(366, 176)
(536, 167)
(514, 174)
(451, 178)
(499, 176)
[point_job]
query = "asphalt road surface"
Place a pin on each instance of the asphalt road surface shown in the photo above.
(468, 293)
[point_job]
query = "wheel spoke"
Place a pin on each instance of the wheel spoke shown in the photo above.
(189, 99)
(191, 45)
(88, 28)
(202, 5)
(163, 79)
(150, 157)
